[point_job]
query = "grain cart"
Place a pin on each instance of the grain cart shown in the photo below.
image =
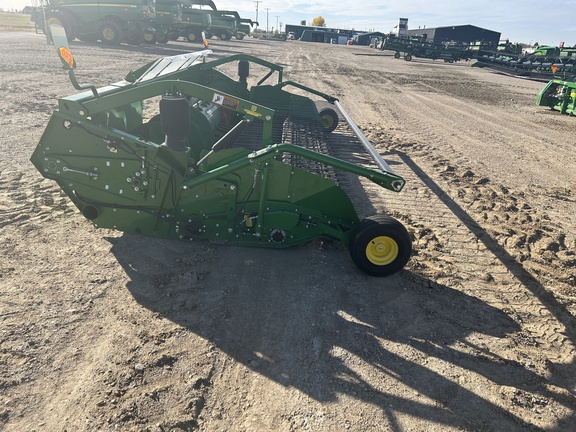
(110, 21)
(216, 159)
(559, 95)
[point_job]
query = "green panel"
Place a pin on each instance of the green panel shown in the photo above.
(257, 203)
(116, 170)
(558, 95)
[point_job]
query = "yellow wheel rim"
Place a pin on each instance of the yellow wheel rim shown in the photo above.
(382, 250)
(53, 21)
(328, 121)
(108, 34)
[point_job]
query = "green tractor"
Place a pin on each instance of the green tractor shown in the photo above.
(194, 23)
(224, 24)
(110, 21)
(245, 27)
(181, 150)
(167, 22)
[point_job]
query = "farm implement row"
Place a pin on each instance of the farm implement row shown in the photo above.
(409, 47)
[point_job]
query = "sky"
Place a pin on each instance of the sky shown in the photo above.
(547, 22)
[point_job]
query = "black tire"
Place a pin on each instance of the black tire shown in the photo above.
(163, 38)
(134, 38)
(328, 119)
(396, 55)
(239, 36)
(192, 35)
(224, 36)
(58, 18)
(408, 57)
(380, 246)
(72, 30)
(110, 33)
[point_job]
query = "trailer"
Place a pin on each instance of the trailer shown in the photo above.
(413, 46)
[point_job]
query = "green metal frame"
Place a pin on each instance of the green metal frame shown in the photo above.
(559, 95)
(94, 148)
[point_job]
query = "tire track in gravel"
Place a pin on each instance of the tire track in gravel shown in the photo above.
(554, 188)
(452, 247)
(481, 127)
(26, 201)
(466, 249)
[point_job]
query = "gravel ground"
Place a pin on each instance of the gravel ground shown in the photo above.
(108, 331)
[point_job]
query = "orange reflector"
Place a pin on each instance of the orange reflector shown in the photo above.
(554, 69)
(67, 56)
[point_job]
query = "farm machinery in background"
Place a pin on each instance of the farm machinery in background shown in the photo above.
(413, 46)
(110, 21)
(245, 27)
(181, 150)
(195, 24)
(139, 21)
(559, 95)
(543, 64)
(194, 21)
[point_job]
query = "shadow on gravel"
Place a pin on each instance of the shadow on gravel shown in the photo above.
(305, 318)
(565, 375)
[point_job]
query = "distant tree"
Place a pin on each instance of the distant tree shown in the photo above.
(303, 22)
(319, 22)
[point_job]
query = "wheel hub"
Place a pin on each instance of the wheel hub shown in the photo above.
(382, 250)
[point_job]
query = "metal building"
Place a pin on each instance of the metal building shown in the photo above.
(319, 34)
(463, 33)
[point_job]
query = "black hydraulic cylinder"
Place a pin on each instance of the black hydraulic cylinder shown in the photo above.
(175, 121)
(243, 70)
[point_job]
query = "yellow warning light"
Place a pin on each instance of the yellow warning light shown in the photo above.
(67, 56)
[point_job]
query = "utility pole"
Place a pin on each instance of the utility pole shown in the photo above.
(267, 9)
(277, 28)
(257, 3)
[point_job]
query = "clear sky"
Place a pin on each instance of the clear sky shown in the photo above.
(547, 22)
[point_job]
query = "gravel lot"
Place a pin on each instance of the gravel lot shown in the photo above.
(108, 331)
